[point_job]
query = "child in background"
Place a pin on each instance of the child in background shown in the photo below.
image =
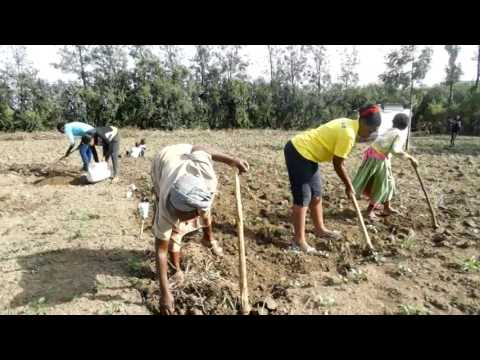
(143, 147)
(137, 150)
(374, 177)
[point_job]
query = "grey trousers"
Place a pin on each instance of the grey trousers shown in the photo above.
(114, 147)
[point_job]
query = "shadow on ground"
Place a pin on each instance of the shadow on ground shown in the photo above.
(61, 180)
(61, 275)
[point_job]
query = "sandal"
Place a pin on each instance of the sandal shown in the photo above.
(390, 212)
(374, 217)
(331, 236)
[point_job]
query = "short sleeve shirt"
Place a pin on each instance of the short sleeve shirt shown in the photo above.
(335, 138)
(76, 130)
(170, 164)
(390, 142)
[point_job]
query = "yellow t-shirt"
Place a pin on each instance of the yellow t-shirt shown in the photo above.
(335, 138)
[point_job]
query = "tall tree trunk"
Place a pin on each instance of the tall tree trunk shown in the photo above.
(319, 84)
(82, 68)
(84, 79)
(202, 75)
(270, 57)
(478, 68)
(450, 95)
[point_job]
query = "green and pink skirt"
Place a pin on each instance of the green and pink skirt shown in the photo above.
(374, 178)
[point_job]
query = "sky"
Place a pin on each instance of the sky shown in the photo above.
(371, 57)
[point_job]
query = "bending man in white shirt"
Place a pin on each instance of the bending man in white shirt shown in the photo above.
(184, 185)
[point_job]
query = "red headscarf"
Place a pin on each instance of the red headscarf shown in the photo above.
(369, 111)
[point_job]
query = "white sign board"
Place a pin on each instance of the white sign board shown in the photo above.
(387, 120)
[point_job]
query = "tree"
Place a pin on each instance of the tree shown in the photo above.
(349, 75)
(147, 64)
(20, 75)
(109, 60)
(232, 63)
(205, 90)
(478, 68)
(141, 52)
(202, 63)
(228, 92)
(159, 92)
(26, 102)
(171, 57)
(261, 109)
(76, 59)
(319, 75)
(453, 70)
(404, 67)
(292, 67)
(6, 111)
(110, 83)
(270, 98)
(291, 71)
(273, 54)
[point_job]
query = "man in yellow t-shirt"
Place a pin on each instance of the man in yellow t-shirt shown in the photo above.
(331, 142)
(335, 138)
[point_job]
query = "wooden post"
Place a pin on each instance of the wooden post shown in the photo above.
(407, 144)
(143, 208)
(244, 303)
(432, 213)
(362, 223)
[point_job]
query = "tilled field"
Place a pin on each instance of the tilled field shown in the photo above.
(71, 248)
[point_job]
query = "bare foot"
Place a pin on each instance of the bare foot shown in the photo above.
(390, 211)
(214, 246)
(371, 216)
(304, 246)
(178, 278)
(307, 249)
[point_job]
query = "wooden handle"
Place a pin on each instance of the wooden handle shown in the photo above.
(141, 228)
(432, 212)
(362, 223)
(244, 303)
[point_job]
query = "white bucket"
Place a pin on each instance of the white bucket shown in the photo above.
(98, 172)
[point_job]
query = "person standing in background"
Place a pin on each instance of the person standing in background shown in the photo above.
(455, 127)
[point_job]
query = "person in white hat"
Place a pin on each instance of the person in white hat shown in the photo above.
(184, 185)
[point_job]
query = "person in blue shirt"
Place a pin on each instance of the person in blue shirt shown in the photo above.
(75, 130)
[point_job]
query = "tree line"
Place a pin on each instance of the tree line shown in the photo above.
(150, 87)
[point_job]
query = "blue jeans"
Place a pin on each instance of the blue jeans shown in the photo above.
(86, 155)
